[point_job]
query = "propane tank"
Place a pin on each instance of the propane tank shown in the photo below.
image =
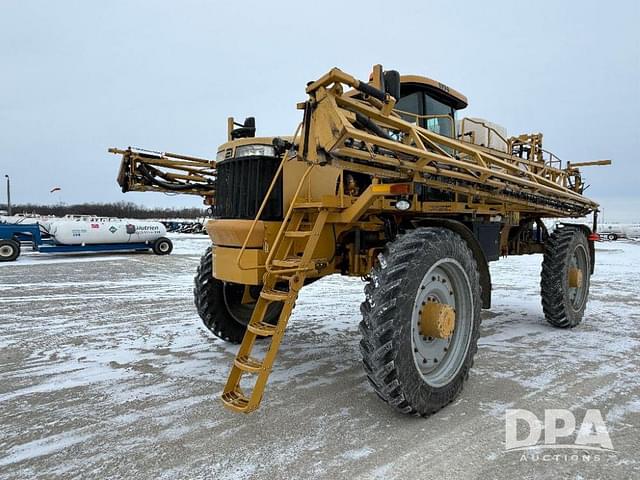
(87, 232)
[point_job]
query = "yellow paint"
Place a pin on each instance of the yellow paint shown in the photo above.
(225, 268)
(575, 277)
(437, 320)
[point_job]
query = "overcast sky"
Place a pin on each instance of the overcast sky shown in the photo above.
(80, 76)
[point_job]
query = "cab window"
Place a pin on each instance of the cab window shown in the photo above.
(440, 125)
(410, 103)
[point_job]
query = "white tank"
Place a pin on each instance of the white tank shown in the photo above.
(482, 132)
(79, 232)
(628, 230)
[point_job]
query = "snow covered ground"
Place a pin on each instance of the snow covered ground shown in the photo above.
(105, 372)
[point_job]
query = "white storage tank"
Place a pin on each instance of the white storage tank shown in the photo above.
(88, 232)
(482, 132)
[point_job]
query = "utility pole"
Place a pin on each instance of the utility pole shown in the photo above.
(8, 195)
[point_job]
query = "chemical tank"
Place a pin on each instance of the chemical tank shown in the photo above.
(74, 232)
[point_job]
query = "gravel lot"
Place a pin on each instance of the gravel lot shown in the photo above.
(105, 372)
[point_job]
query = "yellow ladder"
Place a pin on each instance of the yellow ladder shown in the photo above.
(281, 268)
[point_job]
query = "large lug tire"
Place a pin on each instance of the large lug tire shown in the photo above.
(9, 250)
(412, 373)
(564, 297)
(162, 246)
(220, 306)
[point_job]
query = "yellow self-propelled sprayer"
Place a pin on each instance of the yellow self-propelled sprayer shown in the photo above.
(380, 180)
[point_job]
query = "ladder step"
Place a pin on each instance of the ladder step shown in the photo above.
(235, 401)
(299, 234)
(303, 205)
(248, 364)
(274, 295)
(290, 263)
(262, 329)
(282, 276)
(233, 396)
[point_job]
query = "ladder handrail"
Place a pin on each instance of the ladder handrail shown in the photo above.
(255, 221)
(233, 395)
(285, 220)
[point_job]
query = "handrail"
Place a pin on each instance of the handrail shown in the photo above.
(421, 117)
(552, 155)
(283, 225)
(488, 127)
(285, 157)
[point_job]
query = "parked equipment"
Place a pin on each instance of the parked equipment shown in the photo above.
(614, 231)
(71, 232)
(183, 227)
(78, 236)
(377, 181)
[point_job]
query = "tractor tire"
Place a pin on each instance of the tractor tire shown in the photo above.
(413, 373)
(564, 296)
(220, 306)
(9, 250)
(162, 246)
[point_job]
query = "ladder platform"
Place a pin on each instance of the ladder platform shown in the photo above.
(283, 276)
(288, 263)
(235, 401)
(248, 364)
(303, 205)
(274, 295)
(262, 329)
(297, 234)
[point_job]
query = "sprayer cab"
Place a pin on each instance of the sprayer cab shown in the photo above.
(429, 104)
(420, 100)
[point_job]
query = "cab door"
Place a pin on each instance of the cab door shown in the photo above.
(420, 107)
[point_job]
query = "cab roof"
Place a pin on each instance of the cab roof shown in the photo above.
(445, 93)
(458, 100)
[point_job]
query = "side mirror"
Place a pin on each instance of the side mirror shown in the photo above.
(392, 83)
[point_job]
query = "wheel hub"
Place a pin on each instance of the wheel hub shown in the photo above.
(437, 319)
(5, 251)
(575, 277)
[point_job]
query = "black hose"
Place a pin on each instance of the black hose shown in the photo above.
(369, 124)
(175, 186)
(371, 91)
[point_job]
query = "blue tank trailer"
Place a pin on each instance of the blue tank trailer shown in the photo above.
(13, 235)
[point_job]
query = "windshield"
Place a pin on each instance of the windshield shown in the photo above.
(434, 115)
(410, 103)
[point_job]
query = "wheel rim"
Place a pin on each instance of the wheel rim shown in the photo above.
(163, 247)
(439, 359)
(6, 251)
(578, 294)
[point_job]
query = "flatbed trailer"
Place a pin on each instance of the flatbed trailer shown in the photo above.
(13, 235)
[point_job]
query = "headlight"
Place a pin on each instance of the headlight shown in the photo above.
(255, 150)
(220, 155)
(403, 204)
